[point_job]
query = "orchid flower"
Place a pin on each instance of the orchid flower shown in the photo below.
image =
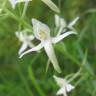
(61, 23)
(14, 2)
(26, 40)
(42, 33)
(64, 86)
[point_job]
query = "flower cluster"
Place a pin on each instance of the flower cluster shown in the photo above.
(42, 33)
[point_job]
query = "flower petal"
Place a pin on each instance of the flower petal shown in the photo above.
(59, 22)
(51, 54)
(40, 27)
(14, 2)
(62, 36)
(60, 81)
(60, 31)
(62, 91)
(73, 22)
(69, 87)
(36, 48)
(30, 37)
(23, 47)
(51, 5)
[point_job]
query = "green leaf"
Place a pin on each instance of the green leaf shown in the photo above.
(51, 5)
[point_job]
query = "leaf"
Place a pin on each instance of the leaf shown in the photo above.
(51, 5)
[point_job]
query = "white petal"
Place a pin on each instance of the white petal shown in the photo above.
(17, 34)
(38, 27)
(69, 87)
(51, 54)
(62, 91)
(60, 81)
(59, 22)
(0, 10)
(23, 47)
(14, 2)
(30, 37)
(51, 5)
(57, 19)
(36, 48)
(60, 31)
(73, 22)
(62, 36)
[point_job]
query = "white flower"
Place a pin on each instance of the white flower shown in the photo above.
(14, 2)
(26, 40)
(64, 86)
(62, 25)
(42, 33)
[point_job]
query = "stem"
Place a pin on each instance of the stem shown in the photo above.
(25, 82)
(34, 81)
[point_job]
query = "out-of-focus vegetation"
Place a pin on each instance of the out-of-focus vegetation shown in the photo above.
(27, 76)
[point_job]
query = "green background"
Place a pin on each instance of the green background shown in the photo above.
(28, 76)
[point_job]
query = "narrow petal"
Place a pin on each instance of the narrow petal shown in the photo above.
(13, 3)
(60, 31)
(62, 91)
(69, 87)
(51, 5)
(59, 22)
(73, 22)
(51, 54)
(37, 48)
(23, 47)
(60, 81)
(30, 37)
(17, 34)
(62, 36)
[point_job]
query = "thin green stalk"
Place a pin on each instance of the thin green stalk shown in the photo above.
(23, 14)
(14, 16)
(31, 74)
(75, 60)
(25, 82)
(41, 93)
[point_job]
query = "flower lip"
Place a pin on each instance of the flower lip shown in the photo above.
(41, 31)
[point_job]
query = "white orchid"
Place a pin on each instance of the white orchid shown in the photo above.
(42, 33)
(64, 86)
(14, 2)
(26, 40)
(62, 25)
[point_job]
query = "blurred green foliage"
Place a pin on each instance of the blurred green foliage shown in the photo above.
(27, 76)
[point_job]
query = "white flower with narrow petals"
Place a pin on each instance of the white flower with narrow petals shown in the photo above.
(64, 86)
(26, 40)
(62, 25)
(42, 33)
(14, 2)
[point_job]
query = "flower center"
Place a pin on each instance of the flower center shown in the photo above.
(42, 35)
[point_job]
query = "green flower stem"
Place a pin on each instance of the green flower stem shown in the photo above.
(14, 16)
(41, 93)
(24, 82)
